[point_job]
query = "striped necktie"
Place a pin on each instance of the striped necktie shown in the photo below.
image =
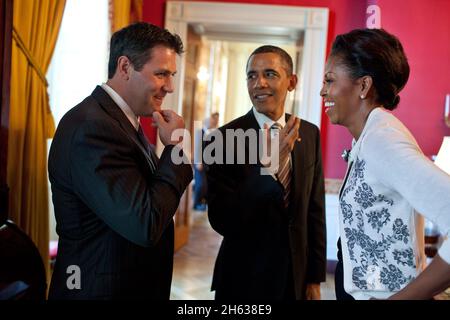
(284, 171)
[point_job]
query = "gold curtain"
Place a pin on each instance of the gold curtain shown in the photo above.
(124, 12)
(35, 29)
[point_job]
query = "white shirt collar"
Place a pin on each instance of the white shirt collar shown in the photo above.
(262, 119)
(122, 105)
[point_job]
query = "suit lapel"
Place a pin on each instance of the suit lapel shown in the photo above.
(116, 113)
(250, 121)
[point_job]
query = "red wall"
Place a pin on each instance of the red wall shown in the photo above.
(153, 12)
(423, 28)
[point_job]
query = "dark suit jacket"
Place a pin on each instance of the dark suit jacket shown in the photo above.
(263, 241)
(113, 208)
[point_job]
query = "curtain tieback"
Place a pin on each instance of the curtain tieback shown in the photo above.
(29, 56)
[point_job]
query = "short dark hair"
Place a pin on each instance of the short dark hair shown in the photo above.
(285, 57)
(136, 41)
(375, 53)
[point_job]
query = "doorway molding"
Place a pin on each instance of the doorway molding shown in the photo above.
(313, 21)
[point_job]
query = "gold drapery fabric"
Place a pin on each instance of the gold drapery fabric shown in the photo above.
(124, 12)
(36, 25)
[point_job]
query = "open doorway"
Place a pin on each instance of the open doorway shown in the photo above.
(219, 37)
(215, 82)
(255, 23)
(221, 67)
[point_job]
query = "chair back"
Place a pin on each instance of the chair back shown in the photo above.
(22, 272)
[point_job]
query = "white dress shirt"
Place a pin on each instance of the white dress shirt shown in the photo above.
(122, 105)
(262, 119)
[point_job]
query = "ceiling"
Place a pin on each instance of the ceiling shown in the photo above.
(247, 33)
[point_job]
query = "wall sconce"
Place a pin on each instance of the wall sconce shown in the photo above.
(433, 237)
(202, 74)
(443, 157)
(447, 110)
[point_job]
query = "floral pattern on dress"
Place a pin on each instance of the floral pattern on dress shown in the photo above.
(378, 219)
(393, 278)
(357, 172)
(359, 278)
(375, 251)
(351, 236)
(401, 231)
(404, 257)
(359, 168)
(359, 219)
(346, 211)
(372, 251)
(382, 198)
(366, 214)
(364, 196)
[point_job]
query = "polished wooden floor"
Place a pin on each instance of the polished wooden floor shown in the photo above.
(194, 264)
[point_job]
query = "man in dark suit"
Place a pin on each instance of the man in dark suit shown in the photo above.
(273, 225)
(114, 199)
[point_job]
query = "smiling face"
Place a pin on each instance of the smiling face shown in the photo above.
(148, 87)
(268, 83)
(341, 93)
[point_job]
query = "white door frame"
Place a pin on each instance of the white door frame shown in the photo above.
(313, 21)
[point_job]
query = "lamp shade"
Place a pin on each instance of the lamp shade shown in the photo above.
(443, 157)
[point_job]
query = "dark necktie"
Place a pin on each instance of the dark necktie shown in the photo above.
(284, 170)
(144, 142)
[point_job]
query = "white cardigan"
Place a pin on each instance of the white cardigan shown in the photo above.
(388, 177)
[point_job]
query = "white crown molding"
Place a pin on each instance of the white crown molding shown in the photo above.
(313, 21)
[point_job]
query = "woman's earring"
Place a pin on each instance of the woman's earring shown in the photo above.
(362, 96)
